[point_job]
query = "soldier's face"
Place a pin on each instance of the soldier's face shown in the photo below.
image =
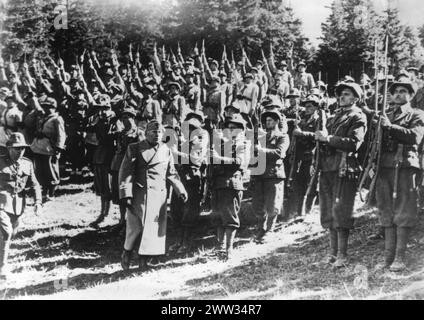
(401, 95)
(294, 101)
(347, 98)
(154, 136)
(310, 108)
(301, 69)
(16, 153)
(271, 123)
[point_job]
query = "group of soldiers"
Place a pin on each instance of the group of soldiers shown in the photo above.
(200, 132)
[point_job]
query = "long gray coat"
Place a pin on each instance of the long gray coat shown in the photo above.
(142, 176)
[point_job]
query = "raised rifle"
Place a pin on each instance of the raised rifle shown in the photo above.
(371, 171)
(313, 182)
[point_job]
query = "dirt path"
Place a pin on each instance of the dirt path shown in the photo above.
(58, 256)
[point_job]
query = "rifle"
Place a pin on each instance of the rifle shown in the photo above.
(321, 124)
(292, 153)
(372, 169)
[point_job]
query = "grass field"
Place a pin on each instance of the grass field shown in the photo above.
(57, 256)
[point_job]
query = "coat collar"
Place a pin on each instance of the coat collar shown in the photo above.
(150, 154)
(400, 112)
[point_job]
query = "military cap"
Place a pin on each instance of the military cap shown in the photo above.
(272, 101)
(174, 83)
(301, 63)
(403, 72)
(348, 79)
(189, 73)
(407, 83)
(195, 118)
(148, 87)
(313, 99)
(176, 66)
(260, 62)
(235, 105)
(49, 102)
(248, 75)
(279, 73)
(240, 63)
(283, 63)
(294, 93)
(103, 101)
(254, 69)
(273, 113)
(236, 119)
(195, 114)
(214, 62)
(127, 109)
(16, 140)
(153, 125)
(315, 92)
(354, 87)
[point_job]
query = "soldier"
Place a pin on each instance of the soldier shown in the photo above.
(304, 134)
(214, 104)
(268, 193)
(146, 168)
(103, 155)
(47, 147)
(174, 111)
(15, 172)
(149, 109)
(396, 185)
(10, 120)
(227, 181)
(192, 158)
(125, 132)
(248, 96)
(192, 92)
(302, 80)
(293, 110)
(341, 139)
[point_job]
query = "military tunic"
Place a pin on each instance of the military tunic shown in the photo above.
(340, 168)
(268, 193)
(403, 136)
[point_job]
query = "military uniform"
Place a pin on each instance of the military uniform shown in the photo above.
(305, 145)
(340, 171)
(48, 144)
(268, 193)
(227, 183)
(14, 177)
(400, 146)
(174, 111)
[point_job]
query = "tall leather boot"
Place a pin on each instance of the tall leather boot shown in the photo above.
(333, 246)
(342, 241)
(126, 260)
(230, 233)
(142, 262)
(401, 242)
(389, 246)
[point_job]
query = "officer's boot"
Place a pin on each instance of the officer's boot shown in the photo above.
(126, 260)
(389, 246)
(221, 239)
(399, 264)
(342, 241)
(230, 233)
(333, 246)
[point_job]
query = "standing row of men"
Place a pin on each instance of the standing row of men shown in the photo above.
(115, 122)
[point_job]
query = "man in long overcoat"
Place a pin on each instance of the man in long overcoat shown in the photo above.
(147, 167)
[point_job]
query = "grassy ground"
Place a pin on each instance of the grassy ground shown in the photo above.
(57, 256)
